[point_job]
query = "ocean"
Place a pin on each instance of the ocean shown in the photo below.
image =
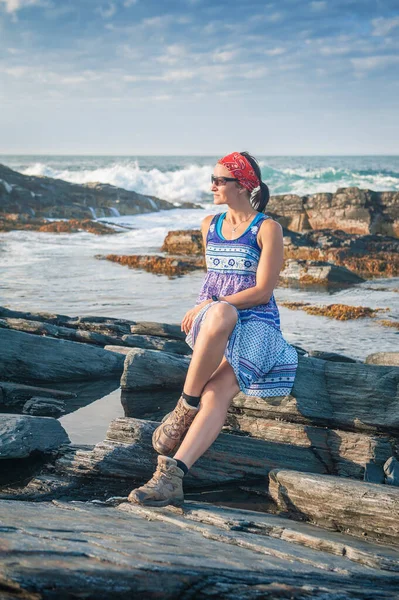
(60, 273)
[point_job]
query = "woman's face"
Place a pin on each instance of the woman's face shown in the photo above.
(230, 192)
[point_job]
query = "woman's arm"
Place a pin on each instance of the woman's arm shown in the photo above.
(190, 315)
(205, 228)
(271, 261)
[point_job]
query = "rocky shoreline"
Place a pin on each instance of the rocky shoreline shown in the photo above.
(316, 472)
(45, 197)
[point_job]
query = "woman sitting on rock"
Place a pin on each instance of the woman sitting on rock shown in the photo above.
(234, 329)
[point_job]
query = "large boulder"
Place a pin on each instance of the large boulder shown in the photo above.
(34, 358)
(20, 435)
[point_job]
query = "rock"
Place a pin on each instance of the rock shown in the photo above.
(13, 396)
(312, 272)
(341, 312)
(118, 349)
(333, 356)
(33, 358)
(127, 453)
(67, 226)
(383, 358)
(341, 452)
(184, 241)
(359, 508)
(22, 435)
(152, 342)
(348, 396)
(165, 265)
(59, 332)
(45, 407)
(159, 329)
(151, 369)
(352, 210)
(55, 198)
(391, 470)
(374, 473)
(67, 550)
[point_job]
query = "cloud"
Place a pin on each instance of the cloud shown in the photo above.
(224, 56)
(128, 3)
(373, 62)
(275, 51)
(13, 6)
(172, 54)
(179, 75)
(107, 12)
(318, 6)
(383, 27)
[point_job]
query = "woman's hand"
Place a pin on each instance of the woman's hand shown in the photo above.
(189, 317)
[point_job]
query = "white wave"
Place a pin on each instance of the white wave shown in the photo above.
(310, 173)
(186, 184)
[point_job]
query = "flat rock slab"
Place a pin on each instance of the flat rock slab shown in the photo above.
(344, 453)
(363, 509)
(20, 435)
(149, 369)
(79, 549)
(274, 526)
(127, 452)
(26, 357)
(340, 395)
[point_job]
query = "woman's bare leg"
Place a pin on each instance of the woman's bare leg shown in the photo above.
(215, 401)
(210, 345)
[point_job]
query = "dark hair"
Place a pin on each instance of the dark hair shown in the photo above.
(261, 197)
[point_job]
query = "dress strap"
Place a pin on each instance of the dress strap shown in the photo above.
(210, 228)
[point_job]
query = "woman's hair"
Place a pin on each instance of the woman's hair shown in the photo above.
(261, 196)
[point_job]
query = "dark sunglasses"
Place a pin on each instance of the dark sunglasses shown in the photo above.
(221, 180)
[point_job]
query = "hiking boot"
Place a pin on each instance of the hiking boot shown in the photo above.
(165, 487)
(173, 428)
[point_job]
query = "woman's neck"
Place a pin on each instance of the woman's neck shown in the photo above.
(234, 217)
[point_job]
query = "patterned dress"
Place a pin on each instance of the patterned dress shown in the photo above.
(263, 361)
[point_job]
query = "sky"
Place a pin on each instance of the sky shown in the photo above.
(195, 77)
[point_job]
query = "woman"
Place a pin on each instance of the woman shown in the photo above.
(234, 329)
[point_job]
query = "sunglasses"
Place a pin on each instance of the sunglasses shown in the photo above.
(221, 180)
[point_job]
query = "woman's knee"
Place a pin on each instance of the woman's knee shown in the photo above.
(221, 317)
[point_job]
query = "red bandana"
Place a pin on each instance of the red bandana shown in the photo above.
(242, 170)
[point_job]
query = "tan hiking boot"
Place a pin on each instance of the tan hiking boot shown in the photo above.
(165, 487)
(173, 428)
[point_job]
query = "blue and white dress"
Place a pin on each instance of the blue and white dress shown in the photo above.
(263, 361)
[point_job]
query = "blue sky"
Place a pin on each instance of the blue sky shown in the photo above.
(199, 76)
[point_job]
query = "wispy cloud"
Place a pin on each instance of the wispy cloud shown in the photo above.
(318, 6)
(107, 11)
(384, 26)
(374, 62)
(13, 6)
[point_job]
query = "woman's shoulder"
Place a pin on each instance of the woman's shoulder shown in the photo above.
(269, 223)
(269, 227)
(206, 222)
